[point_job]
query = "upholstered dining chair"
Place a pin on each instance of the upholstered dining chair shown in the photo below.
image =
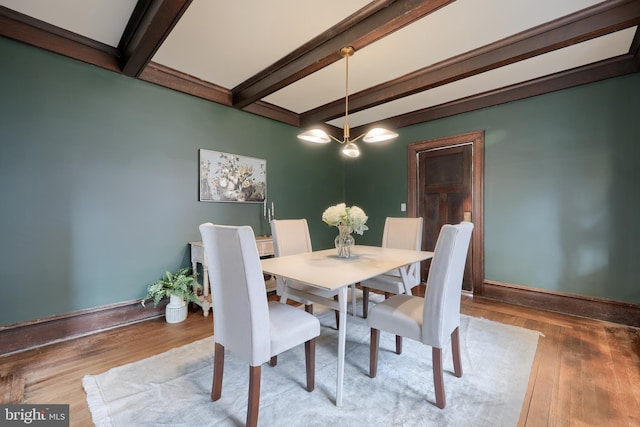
(290, 237)
(434, 319)
(398, 233)
(245, 322)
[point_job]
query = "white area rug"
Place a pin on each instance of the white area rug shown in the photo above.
(174, 388)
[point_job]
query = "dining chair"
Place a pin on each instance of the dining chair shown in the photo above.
(245, 323)
(291, 237)
(398, 233)
(434, 319)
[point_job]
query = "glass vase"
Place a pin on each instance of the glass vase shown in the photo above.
(344, 241)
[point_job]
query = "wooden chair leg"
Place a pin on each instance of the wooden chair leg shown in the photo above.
(438, 377)
(273, 361)
(310, 360)
(455, 349)
(365, 302)
(373, 352)
(398, 344)
(218, 370)
(254, 396)
(335, 298)
(308, 308)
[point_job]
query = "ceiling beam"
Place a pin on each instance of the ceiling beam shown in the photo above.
(273, 112)
(608, 68)
(376, 20)
(182, 82)
(635, 48)
(149, 25)
(601, 19)
(25, 29)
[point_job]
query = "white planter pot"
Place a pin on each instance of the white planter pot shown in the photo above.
(176, 310)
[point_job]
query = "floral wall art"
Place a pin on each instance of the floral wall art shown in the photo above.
(228, 177)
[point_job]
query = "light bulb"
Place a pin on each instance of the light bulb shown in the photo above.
(351, 150)
(379, 135)
(315, 135)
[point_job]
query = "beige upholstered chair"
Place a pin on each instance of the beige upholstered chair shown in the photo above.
(434, 319)
(245, 323)
(290, 237)
(399, 233)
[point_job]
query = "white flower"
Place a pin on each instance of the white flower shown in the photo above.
(340, 214)
(358, 219)
(334, 215)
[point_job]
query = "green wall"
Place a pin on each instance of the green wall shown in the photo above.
(99, 181)
(99, 185)
(561, 187)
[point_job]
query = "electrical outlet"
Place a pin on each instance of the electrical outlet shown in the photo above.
(403, 207)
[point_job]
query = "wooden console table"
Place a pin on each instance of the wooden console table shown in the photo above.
(265, 249)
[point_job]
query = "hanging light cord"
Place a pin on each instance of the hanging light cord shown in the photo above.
(346, 53)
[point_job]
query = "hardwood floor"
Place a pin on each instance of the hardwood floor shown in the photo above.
(585, 373)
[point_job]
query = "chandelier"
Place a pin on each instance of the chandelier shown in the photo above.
(350, 148)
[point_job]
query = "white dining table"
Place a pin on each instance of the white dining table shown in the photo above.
(325, 270)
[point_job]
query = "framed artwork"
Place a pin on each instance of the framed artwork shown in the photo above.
(228, 177)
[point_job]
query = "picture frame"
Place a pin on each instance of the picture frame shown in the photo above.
(225, 177)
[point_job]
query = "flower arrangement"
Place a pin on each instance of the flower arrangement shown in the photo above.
(340, 215)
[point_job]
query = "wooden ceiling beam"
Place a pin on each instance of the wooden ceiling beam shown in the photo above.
(177, 80)
(601, 19)
(149, 25)
(608, 68)
(37, 33)
(635, 48)
(376, 20)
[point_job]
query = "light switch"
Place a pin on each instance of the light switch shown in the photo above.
(403, 207)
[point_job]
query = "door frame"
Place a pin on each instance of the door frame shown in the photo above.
(476, 139)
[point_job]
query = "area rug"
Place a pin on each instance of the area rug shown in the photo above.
(174, 388)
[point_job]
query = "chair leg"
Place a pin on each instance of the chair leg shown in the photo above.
(335, 298)
(353, 299)
(308, 308)
(455, 349)
(398, 344)
(218, 370)
(365, 302)
(373, 352)
(310, 360)
(438, 377)
(254, 396)
(273, 361)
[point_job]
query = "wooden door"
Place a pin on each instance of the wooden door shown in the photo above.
(445, 183)
(444, 196)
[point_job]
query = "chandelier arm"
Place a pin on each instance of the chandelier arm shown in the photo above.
(357, 138)
(335, 139)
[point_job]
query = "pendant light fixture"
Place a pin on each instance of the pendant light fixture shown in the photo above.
(350, 149)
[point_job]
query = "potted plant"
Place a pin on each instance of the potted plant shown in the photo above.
(180, 287)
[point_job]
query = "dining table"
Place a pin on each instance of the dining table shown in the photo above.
(325, 270)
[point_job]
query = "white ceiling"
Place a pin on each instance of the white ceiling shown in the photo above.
(227, 42)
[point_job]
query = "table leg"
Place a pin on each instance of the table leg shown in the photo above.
(206, 305)
(406, 279)
(284, 295)
(204, 302)
(342, 337)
